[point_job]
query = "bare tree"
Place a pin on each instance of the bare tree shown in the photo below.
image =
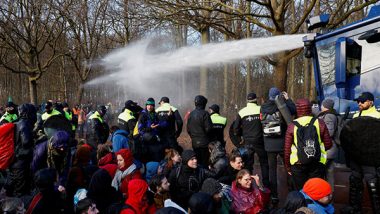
(29, 33)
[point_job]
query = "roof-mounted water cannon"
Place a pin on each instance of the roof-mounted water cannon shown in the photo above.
(371, 36)
(317, 21)
(308, 41)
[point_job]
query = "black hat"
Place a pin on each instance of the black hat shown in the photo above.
(364, 97)
(129, 103)
(214, 108)
(187, 155)
(211, 186)
(164, 99)
(65, 105)
(251, 97)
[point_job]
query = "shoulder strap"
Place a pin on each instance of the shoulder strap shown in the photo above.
(34, 202)
(127, 206)
(177, 171)
(313, 120)
(297, 124)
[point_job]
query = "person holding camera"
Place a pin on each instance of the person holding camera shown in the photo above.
(274, 128)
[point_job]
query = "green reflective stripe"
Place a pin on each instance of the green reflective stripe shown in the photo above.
(166, 107)
(9, 117)
(217, 119)
(96, 115)
(371, 112)
(126, 115)
(250, 109)
(303, 121)
(46, 115)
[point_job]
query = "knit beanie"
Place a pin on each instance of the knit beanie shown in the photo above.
(273, 92)
(328, 103)
(127, 156)
(211, 186)
(316, 188)
(187, 155)
(150, 101)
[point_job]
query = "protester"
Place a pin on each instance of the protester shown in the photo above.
(318, 192)
(249, 197)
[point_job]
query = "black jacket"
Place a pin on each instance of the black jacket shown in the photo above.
(248, 123)
(24, 136)
(228, 175)
(184, 181)
(97, 133)
(198, 126)
(276, 144)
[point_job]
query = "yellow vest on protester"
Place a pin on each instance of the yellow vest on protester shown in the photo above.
(303, 121)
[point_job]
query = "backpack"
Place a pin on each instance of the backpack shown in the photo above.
(7, 145)
(116, 208)
(340, 124)
(308, 148)
(272, 124)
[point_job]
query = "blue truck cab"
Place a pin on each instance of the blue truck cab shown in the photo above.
(346, 61)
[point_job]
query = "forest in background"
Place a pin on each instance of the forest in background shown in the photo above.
(48, 48)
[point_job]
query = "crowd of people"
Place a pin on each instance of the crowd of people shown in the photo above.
(70, 161)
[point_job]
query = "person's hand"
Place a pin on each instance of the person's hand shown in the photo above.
(153, 126)
(61, 189)
(257, 180)
(289, 173)
(286, 96)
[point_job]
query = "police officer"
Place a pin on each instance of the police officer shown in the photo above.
(366, 108)
(127, 120)
(10, 115)
(249, 124)
(49, 111)
(167, 112)
(98, 130)
(218, 125)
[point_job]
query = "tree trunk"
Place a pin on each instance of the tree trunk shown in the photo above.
(205, 37)
(80, 93)
(33, 90)
(248, 61)
(280, 75)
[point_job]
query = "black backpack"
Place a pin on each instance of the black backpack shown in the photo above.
(308, 148)
(116, 208)
(272, 124)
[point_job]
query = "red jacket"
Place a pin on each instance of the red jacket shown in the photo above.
(289, 139)
(137, 191)
(250, 201)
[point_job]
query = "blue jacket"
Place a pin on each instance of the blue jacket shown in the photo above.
(119, 140)
(317, 207)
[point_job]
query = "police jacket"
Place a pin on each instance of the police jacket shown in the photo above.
(24, 136)
(249, 123)
(199, 126)
(98, 130)
(168, 113)
(276, 144)
(218, 125)
(127, 121)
